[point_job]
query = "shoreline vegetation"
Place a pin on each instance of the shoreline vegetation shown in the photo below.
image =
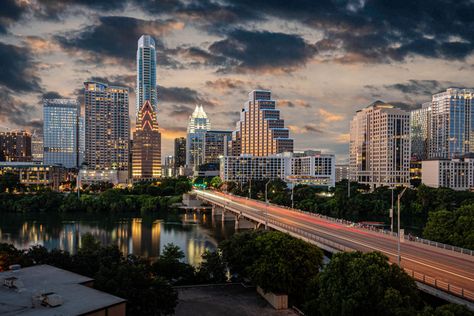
(350, 284)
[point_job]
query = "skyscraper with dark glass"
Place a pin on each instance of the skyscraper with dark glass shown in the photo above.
(146, 73)
(107, 126)
(61, 138)
(179, 152)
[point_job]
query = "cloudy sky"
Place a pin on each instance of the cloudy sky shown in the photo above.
(323, 60)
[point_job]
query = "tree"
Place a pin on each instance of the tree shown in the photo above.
(9, 182)
(446, 310)
(170, 266)
(354, 283)
(216, 182)
(212, 269)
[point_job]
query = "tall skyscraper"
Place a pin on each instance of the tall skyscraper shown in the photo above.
(146, 152)
(107, 126)
(61, 132)
(452, 123)
(380, 146)
(215, 145)
(197, 126)
(261, 131)
(146, 73)
(15, 146)
(179, 152)
(420, 132)
(37, 148)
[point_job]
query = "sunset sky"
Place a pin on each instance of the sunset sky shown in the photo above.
(323, 60)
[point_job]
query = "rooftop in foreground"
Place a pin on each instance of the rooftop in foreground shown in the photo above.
(76, 297)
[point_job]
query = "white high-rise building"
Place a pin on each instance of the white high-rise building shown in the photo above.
(452, 124)
(146, 73)
(198, 125)
(380, 146)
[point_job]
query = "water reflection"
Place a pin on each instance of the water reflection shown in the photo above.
(144, 236)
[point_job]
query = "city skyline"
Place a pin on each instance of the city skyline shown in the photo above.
(49, 50)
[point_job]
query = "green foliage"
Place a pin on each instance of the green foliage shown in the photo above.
(452, 227)
(170, 266)
(9, 182)
(354, 283)
(216, 182)
(212, 269)
(446, 310)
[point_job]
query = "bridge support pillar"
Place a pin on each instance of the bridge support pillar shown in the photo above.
(227, 216)
(242, 223)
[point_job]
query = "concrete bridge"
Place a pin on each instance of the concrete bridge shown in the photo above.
(441, 270)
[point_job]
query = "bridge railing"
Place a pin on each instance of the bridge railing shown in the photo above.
(374, 229)
(441, 285)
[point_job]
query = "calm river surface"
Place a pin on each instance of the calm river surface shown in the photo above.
(139, 235)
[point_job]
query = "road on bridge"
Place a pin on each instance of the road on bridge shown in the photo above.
(443, 265)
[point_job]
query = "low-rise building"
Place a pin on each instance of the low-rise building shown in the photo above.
(15, 146)
(113, 176)
(36, 174)
(342, 172)
(317, 169)
(457, 174)
(47, 290)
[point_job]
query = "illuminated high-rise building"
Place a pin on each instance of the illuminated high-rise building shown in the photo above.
(61, 132)
(420, 132)
(146, 152)
(15, 146)
(380, 146)
(146, 73)
(452, 124)
(197, 126)
(107, 126)
(216, 145)
(179, 152)
(261, 131)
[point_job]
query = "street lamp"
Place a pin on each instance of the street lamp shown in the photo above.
(398, 235)
(266, 201)
(391, 212)
(292, 192)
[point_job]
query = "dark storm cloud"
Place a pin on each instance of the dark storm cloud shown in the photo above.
(259, 51)
(10, 12)
(179, 111)
(13, 111)
(51, 95)
(311, 128)
(116, 37)
(17, 69)
(182, 95)
(127, 81)
(420, 87)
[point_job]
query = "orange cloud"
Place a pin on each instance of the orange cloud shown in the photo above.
(343, 138)
(170, 133)
(330, 117)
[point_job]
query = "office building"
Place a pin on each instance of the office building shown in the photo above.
(342, 172)
(198, 125)
(457, 174)
(146, 152)
(311, 170)
(169, 169)
(35, 174)
(179, 152)
(261, 130)
(37, 150)
(215, 145)
(452, 124)
(146, 73)
(61, 132)
(107, 126)
(115, 177)
(420, 132)
(380, 146)
(15, 146)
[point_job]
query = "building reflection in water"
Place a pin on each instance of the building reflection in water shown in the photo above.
(193, 233)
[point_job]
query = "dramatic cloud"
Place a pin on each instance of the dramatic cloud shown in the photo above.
(18, 70)
(293, 103)
(419, 87)
(183, 96)
(116, 37)
(10, 12)
(51, 95)
(248, 51)
(224, 84)
(329, 117)
(13, 111)
(307, 128)
(180, 111)
(117, 80)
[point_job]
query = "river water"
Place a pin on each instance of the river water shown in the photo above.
(139, 235)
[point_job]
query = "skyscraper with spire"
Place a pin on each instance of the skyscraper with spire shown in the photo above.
(146, 73)
(197, 126)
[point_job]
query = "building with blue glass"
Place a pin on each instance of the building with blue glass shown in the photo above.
(61, 132)
(146, 73)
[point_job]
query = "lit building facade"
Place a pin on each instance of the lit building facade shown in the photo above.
(261, 130)
(146, 152)
(452, 123)
(169, 169)
(179, 152)
(198, 125)
(37, 150)
(312, 170)
(215, 145)
(34, 174)
(342, 172)
(107, 126)
(61, 132)
(457, 174)
(146, 73)
(380, 146)
(15, 146)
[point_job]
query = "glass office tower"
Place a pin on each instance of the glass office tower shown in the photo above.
(61, 132)
(146, 73)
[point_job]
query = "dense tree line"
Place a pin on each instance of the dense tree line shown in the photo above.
(439, 214)
(141, 197)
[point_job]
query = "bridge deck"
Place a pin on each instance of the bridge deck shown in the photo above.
(446, 270)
